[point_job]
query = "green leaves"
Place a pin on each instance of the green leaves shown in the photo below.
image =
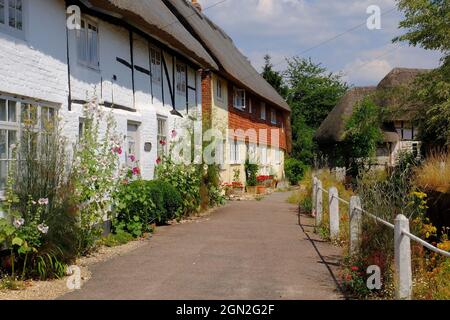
(17, 241)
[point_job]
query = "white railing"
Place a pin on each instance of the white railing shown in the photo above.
(402, 236)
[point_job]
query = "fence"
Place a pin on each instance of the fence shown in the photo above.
(402, 236)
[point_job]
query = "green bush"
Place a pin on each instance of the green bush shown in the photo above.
(294, 169)
(251, 173)
(142, 203)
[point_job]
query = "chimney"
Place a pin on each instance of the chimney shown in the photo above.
(197, 5)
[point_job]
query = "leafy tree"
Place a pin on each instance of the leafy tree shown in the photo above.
(313, 93)
(274, 78)
(428, 26)
(362, 135)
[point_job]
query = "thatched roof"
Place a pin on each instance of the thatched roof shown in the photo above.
(233, 64)
(333, 127)
(154, 18)
(388, 94)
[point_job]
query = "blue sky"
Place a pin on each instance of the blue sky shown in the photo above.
(284, 28)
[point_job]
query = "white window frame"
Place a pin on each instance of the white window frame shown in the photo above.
(235, 151)
(136, 142)
(180, 75)
(87, 60)
(155, 60)
(162, 135)
(5, 25)
(18, 123)
(239, 98)
(263, 111)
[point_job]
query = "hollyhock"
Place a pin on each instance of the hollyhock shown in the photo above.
(136, 171)
(158, 161)
(43, 228)
(18, 222)
(43, 201)
(132, 158)
(174, 133)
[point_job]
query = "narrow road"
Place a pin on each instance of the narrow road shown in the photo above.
(245, 250)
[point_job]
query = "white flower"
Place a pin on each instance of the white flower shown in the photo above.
(43, 201)
(18, 222)
(13, 146)
(43, 228)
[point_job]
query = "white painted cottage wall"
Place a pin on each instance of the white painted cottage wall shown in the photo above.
(36, 68)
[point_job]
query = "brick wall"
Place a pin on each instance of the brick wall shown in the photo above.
(206, 99)
(243, 119)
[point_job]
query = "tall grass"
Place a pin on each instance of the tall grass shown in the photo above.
(434, 174)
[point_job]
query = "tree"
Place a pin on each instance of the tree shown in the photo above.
(428, 27)
(274, 78)
(313, 92)
(362, 135)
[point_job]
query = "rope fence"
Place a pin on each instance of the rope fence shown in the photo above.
(402, 235)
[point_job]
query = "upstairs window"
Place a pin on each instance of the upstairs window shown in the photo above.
(88, 44)
(181, 79)
(219, 93)
(11, 16)
(155, 57)
(239, 98)
(263, 111)
(273, 116)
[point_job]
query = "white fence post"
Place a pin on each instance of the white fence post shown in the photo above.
(355, 224)
(403, 271)
(319, 202)
(314, 193)
(333, 202)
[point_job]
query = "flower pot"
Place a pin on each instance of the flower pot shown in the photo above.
(238, 190)
(252, 189)
(261, 189)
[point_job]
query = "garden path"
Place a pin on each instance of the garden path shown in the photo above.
(244, 250)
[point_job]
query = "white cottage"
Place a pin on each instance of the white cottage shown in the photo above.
(134, 56)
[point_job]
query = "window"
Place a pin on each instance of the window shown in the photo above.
(239, 99)
(10, 126)
(155, 57)
(415, 149)
(181, 79)
(406, 130)
(88, 44)
(263, 111)
(235, 156)
(219, 90)
(263, 155)
(162, 137)
(273, 116)
(11, 15)
(277, 156)
(132, 144)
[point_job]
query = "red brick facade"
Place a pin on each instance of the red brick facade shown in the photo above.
(243, 119)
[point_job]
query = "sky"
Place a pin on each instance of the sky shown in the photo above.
(331, 32)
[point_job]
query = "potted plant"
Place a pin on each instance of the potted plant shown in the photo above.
(261, 188)
(228, 188)
(238, 187)
(251, 171)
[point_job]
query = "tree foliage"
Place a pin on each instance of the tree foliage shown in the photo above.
(313, 92)
(274, 78)
(427, 24)
(362, 134)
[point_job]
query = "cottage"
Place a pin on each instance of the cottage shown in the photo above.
(399, 132)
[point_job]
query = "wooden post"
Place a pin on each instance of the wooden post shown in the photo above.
(403, 289)
(314, 193)
(319, 202)
(333, 202)
(355, 224)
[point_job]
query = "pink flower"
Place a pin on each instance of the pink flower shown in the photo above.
(174, 133)
(119, 150)
(158, 161)
(162, 142)
(132, 158)
(136, 171)
(43, 201)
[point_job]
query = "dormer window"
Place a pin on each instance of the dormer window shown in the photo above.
(219, 92)
(12, 16)
(88, 44)
(239, 98)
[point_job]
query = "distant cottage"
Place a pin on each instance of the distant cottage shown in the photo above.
(399, 132)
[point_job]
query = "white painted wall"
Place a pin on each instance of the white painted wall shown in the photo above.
(36, 68)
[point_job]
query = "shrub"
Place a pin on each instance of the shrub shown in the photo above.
(167, 200)
(251, 172)
(294, 169)
(434, 174)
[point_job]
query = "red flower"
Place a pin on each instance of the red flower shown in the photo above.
(162, 142)
(355, 268)
(348, 277)
(158, 161)
(136, 171)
